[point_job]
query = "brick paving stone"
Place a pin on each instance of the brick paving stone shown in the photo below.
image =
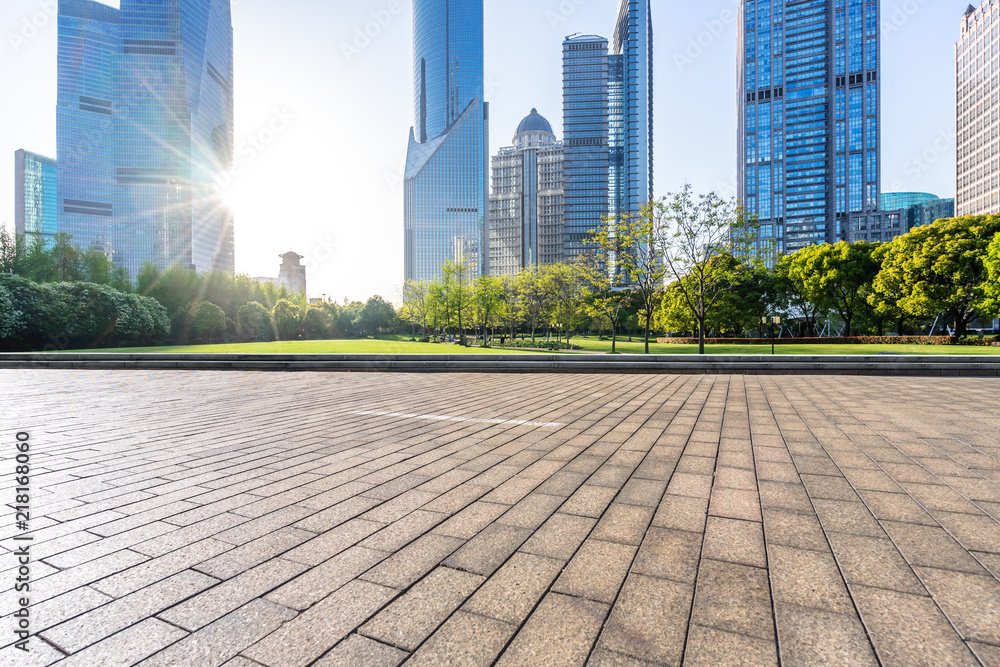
(307, 637)
(414, 616)
(623, 523)
(971, 601)
(128, 647)
(910, 629)
(931, 546)
(414, 561)
(669, 554)
(357, 650)
(225, 638)
(596, 571)
(511, 593)
(709, 647)
(792, 529)
(649, 492)
(451, 644)
(228, 596)
(649, 620)
(589, 501)
(82, 631)
(560, 633)
(810, 637)
(808, 579)
(682, 513)
(560, 536)
(734, 598)
(874, 562)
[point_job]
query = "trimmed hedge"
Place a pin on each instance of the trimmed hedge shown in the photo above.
(68, 316)
(857, 340)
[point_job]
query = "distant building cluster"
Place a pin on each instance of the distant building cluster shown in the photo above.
(548, 196)
(291, 274)
(144, 124)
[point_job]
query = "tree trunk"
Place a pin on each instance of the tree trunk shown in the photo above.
(614, 338)
(649, 316)
(701, 335)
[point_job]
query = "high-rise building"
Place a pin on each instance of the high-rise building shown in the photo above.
(978, 123)
(526, 206)
(88, 61)
(446, 190)
(292, 273)
(630, 114)
(35, 201)
(585, 141)
(809, 116)
(174, 134)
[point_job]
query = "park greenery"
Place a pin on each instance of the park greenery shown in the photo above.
(684, 266)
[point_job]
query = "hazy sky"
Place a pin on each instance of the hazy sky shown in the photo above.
(328, 183)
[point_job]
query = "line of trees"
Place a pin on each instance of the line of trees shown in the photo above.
(693, 266)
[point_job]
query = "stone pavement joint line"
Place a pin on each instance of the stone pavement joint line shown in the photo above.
(208, 519)
(443, 418)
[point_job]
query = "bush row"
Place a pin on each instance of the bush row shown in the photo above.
(856, 340)
(61, 316)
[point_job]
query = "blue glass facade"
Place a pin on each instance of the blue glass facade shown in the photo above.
(174, 134)
(630, 72)
(809, 135)
(89, 46)
(35, 200)
(445, 189)
(586, 146)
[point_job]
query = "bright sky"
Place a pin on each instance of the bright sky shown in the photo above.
(328, 184)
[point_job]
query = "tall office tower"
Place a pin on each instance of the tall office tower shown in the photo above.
(630, 113)
(586, 141)
(976, 62)
(89, 47)
(526, 207)
(809, 115)
(174, 134)
(446, 191)
(35, 200)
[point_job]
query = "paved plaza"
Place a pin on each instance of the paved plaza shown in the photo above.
(371, 520)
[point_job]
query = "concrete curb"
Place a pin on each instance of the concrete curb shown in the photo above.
(916, 365)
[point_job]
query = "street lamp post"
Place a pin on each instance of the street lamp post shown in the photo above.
(773, 321)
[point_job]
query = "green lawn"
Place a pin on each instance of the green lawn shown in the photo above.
(401, 345)
(394, 345)
(636, 347)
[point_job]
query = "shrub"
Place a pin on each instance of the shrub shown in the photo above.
(253, 322)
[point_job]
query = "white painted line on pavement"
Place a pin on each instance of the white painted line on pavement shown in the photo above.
(443, 418)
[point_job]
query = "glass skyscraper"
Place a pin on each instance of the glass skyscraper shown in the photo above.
(89, 46)
(630, 117)
(586, 140)
(35, 200)
(446, 190)
(809, 116)
(174, 134)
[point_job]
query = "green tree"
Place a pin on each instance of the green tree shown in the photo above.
(456, 283)
(694, 236)
(11, 251)
(562, 284)
(603, 297)
(992, 305)
(377, 315)
(316, 324)
(533, 299)
(941, 268)
(253, 322)
(836, 277)
(287, 319)
(416, 304)
(487, 301)
(209, 321)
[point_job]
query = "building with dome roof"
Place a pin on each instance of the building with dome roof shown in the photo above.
(526, 206)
